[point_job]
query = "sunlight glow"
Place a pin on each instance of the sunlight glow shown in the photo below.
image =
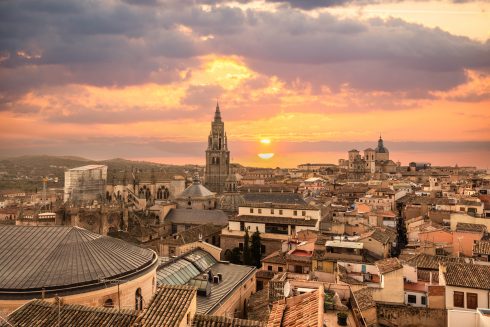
(265, 156)
(265, 141)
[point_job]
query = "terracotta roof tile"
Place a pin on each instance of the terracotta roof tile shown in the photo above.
(388, 265)
(468, 275)
(431, 262)
(42, 313)
(298, 311)
(364, 298)
(218, 321)
(481, 247)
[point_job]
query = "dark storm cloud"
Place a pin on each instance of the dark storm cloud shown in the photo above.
(128, 43)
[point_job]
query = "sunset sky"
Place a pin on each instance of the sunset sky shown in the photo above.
(139, 79)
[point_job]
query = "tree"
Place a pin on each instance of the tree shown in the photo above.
(234, 256)
(247, 257)
(256, 249)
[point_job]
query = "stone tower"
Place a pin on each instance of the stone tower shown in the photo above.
(217, 155)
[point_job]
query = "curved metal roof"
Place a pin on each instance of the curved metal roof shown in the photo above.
(55, 257)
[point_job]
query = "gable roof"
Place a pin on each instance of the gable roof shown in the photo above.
(364, 298)
(218, 321)
(297, 311)
(467, 227)
(388, 265)
(42, 313)
(431, 262)
(168, 306)
(481, 247)
(468, 275)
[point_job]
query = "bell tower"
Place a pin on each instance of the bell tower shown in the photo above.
(217, 155)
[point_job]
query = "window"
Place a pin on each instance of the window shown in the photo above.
(272, 211)
(295, 212)
(242, 226)
(412, 299)
(471, 300)
(280, 212)
(279, 269)
(276, 229)
(423, 300)
(303, 213)
(461, 209)
(251, 210)
(138, 300)
(240, 246)
(458, 298)
(109, 303)
(260, 210)
(269, 268)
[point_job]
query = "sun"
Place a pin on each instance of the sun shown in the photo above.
(265, 156)
(265, 141)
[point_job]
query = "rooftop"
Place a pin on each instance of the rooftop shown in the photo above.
(197, 217)
(57, 258)
(42, 313)
(345, 244)
(185, 269)
(297, 311)
(468, 275)
(388, 265)
(481, 247)
(467, 227)
(168, 306)
(300, 221)
(88, 167)
(431, 262)
(217, 321)
(364, 298)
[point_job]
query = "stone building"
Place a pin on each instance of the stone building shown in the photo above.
(217, 155)
(374, 161)
(196, 196)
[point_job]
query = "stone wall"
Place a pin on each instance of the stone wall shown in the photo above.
(408, 316)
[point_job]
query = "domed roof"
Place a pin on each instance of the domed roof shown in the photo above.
(381, 148)
(195, 190)
(57, 257)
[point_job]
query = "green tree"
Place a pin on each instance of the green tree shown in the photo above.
(235, 256)
(247, 257)
(256, 249)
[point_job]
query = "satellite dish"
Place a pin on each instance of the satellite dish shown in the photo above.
(287, 289)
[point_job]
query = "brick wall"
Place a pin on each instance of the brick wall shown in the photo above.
(408, 316)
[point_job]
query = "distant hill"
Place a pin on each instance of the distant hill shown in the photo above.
(26, 172)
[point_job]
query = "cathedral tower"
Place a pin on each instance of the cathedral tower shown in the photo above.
(217, 155)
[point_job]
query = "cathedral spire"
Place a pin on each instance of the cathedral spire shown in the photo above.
(217, 113)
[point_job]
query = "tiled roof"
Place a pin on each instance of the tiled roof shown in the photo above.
(481, 247)
(46, 257)
(364, 298)
(168, 306)
(219, 321)
(383, 238)
(424, 275)
(38, 313)
(276, 220)
(468, 275)
(298, 311)
(192, 234)
(197, 217)
(277, 257)
(466, 227)
(431, 262)
(274, 197)
(388, 265)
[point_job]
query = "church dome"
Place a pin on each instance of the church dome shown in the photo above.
(63, 259)
(381, 148)
(196, 190)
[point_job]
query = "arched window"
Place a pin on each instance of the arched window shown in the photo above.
(138, 300)
(109, 303)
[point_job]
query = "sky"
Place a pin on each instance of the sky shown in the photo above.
(139, 79)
